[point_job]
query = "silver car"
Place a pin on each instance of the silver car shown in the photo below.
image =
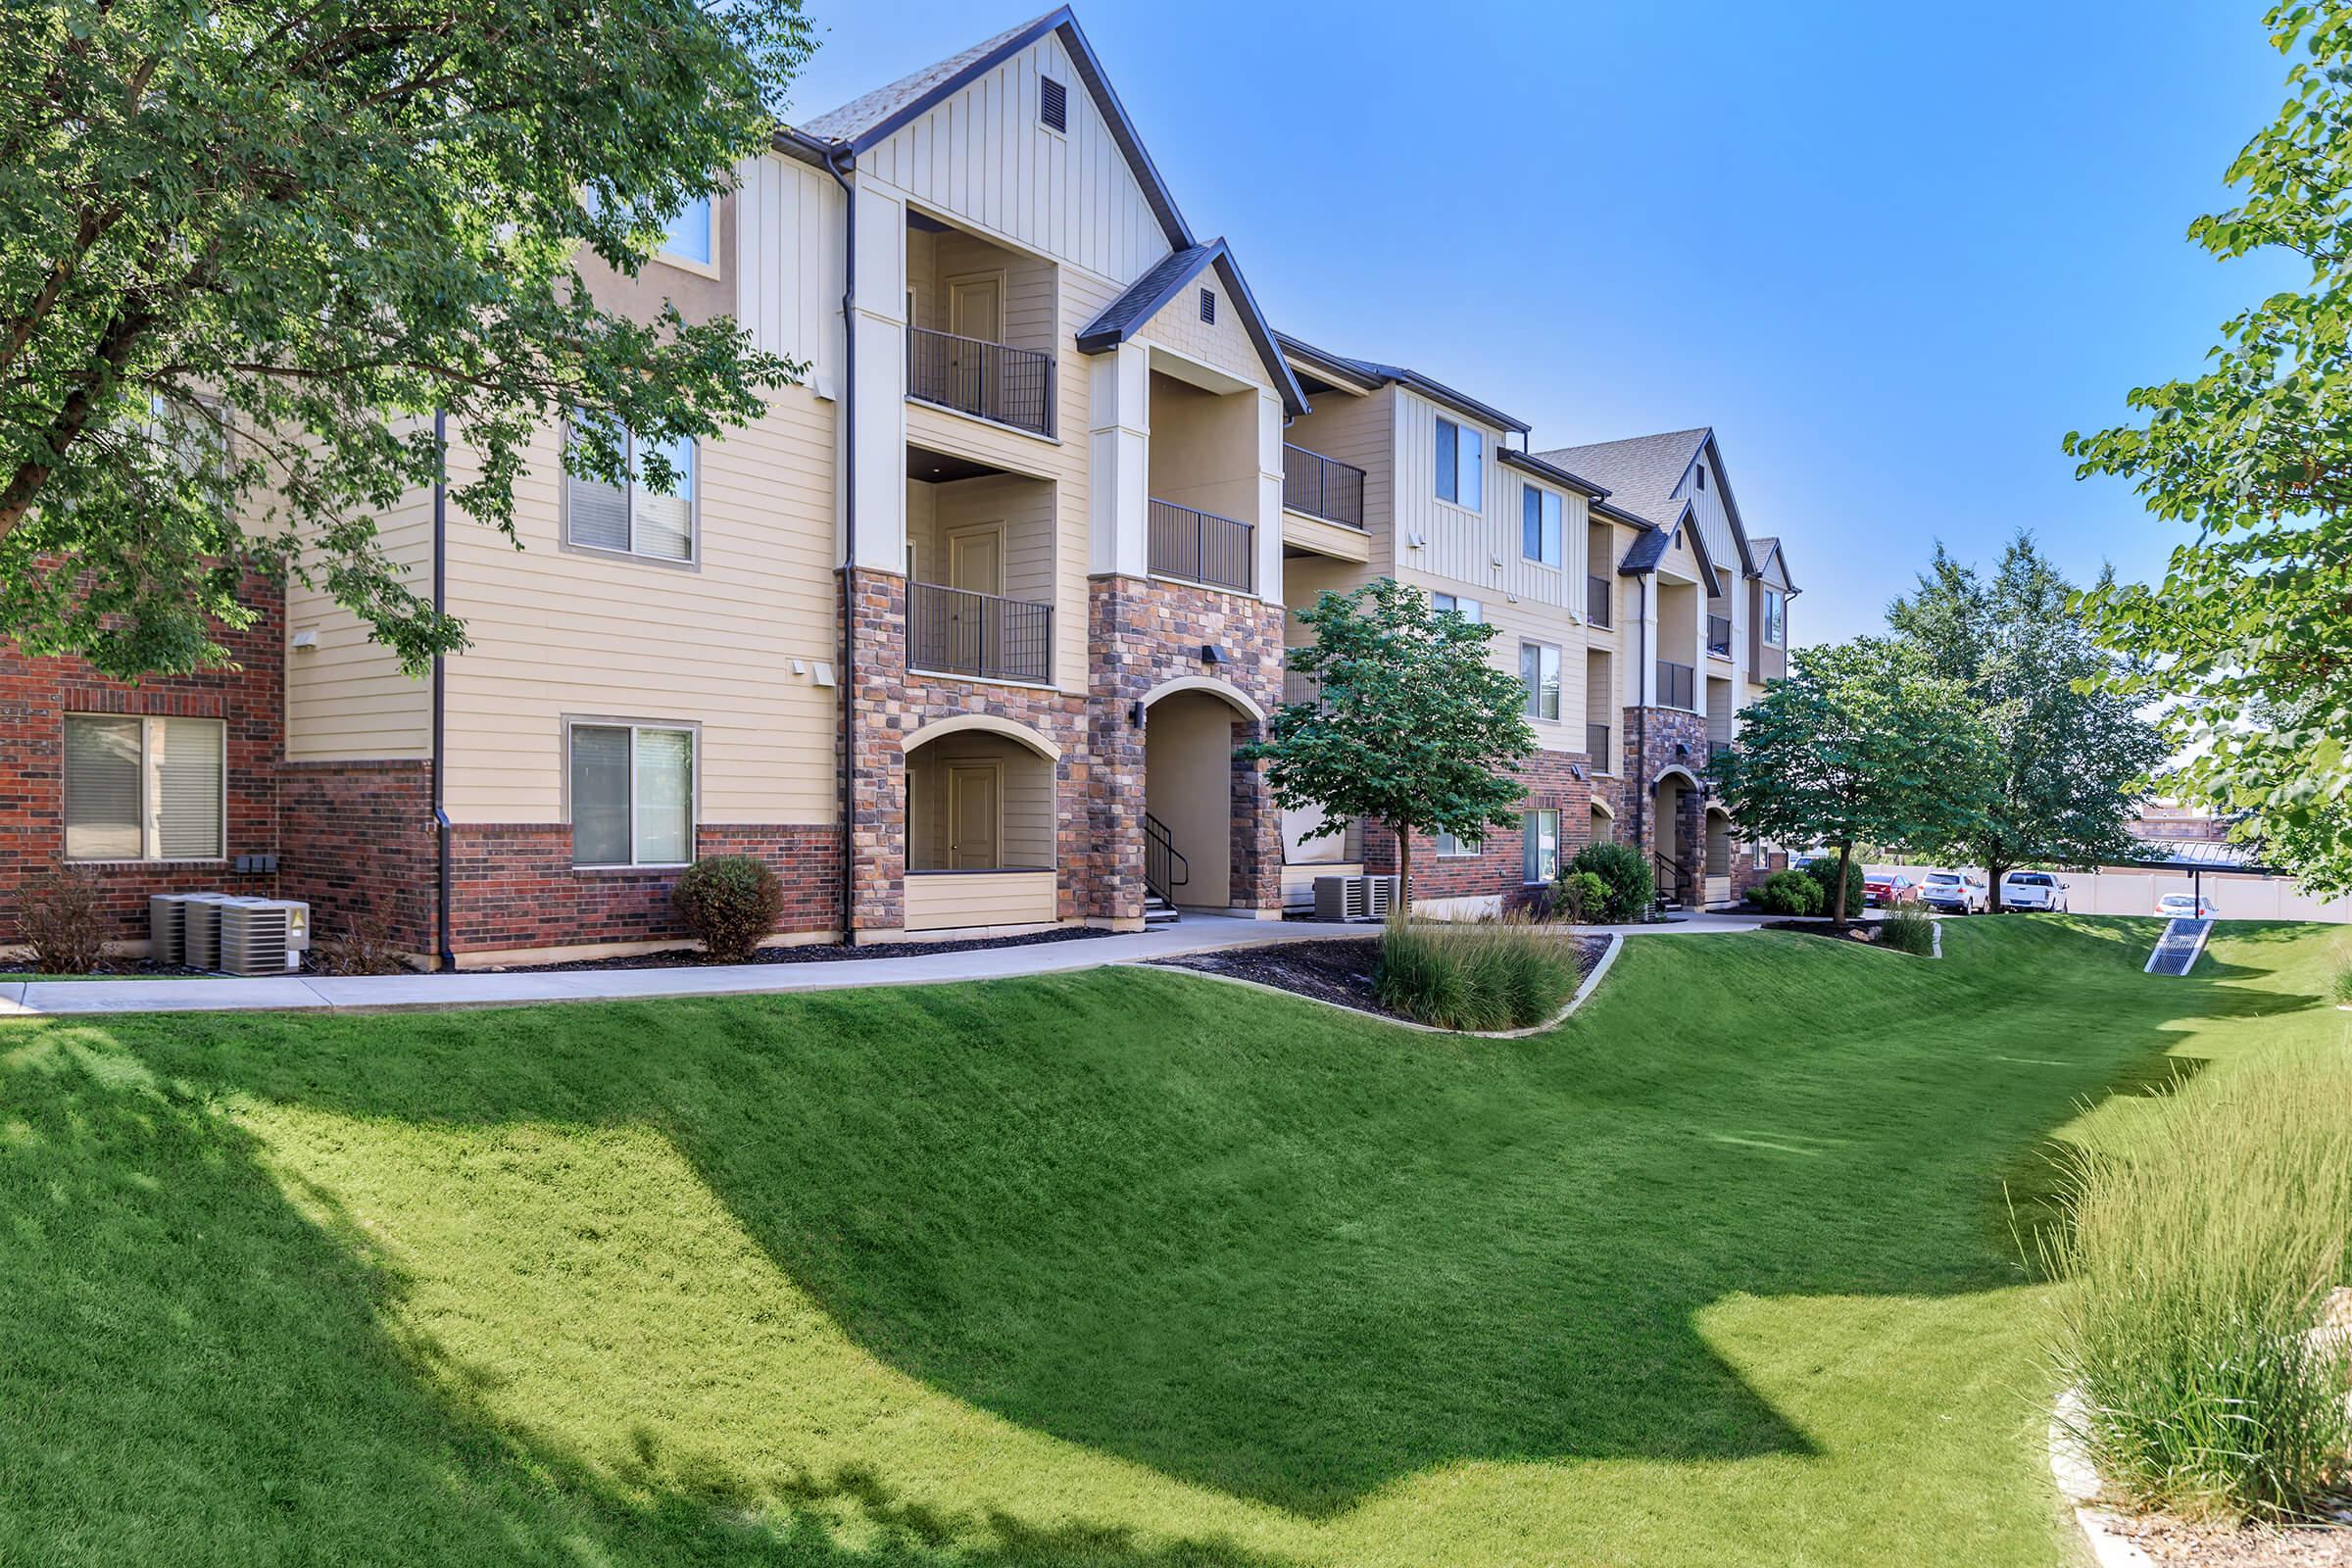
(2033, 890)
(1955, 893)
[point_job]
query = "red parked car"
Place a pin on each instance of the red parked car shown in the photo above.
(1889, 889)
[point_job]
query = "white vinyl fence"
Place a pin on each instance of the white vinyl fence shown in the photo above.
(2234, 894)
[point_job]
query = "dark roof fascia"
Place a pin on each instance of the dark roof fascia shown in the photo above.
(1550, 471)
(1617, 514)
(1436, 391)
(1132, 315)
(1328, 363)
(804, 147)
(1772, 553)
(1098, 83)
(1731, 502)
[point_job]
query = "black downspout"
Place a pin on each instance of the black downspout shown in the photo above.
(1642, 729)
(447, 956)
(848, 547)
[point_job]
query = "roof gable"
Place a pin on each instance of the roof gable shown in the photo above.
(1643, 473)
(1152, 292)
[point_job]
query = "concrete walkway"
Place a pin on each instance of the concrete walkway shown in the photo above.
(396, 993)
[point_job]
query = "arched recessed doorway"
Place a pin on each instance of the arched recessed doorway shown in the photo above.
(1678, 834)
(982, 819)
(1191, 726)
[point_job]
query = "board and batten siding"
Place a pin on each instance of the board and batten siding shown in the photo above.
(556, 632)
(983, 157)
(1479, 550)
(788, 263)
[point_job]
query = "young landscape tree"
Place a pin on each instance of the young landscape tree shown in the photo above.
(2247, 641)
(1859, 743)
(2069, 751)
(248, 251)
(1410, 726)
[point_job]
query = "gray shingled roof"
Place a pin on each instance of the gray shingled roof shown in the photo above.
(1642, 472)
(860, 115)
(1764, 548)
(1145, 297)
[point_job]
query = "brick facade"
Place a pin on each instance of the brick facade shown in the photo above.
(1499, 868)
(357, 840)
(35, 695)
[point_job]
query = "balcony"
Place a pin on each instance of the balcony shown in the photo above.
(1678, 685)
(1597, 600)
(1719, 636)
(955, 631)
(1201, 547)
(1322, 487)
(1596, 747)
(992, 381)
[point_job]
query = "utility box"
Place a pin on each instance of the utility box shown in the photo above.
(168, 927)
(200, 929)
(1354, 898)
(263, 936)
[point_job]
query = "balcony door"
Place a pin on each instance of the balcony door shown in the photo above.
(975, 565)
(976, 316)
(974, 795)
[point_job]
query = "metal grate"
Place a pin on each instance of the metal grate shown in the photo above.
(1052, 103)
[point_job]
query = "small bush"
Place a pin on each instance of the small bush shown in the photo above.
(1483, 974)
(1908, 931)
(2198, 1269)
(1823, 871)
(360, 945)
(58, 912)
(2341, 990)
(1790, 893)
(1581, 896)
(1625, 870)
(730, 903)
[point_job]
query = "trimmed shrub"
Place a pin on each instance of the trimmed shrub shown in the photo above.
(58, 912)
(1908, 931)
(730, 903)
(1474, 974)
(1790, 893)
(2198, 1267)
(1823, 871)
(1625, 871)
(1580, 896)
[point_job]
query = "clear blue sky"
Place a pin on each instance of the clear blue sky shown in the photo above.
(1891, 253)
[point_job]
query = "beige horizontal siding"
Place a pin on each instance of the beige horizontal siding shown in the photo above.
(943, 900)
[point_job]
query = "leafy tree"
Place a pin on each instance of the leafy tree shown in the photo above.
(2248, 639)
(1858, 744)
(2068, 749)
(247, 250)
(1411, 727)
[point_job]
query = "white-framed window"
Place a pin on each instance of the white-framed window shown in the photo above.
(1539, 668)
(692, 236)
(1453, 847)
(145, 789)
(637, 519)
(1759, 852)
(1776, 617)
(1470, 610)
(1539, 524)
(1461, 464)
(1540, 846)
(632, 793)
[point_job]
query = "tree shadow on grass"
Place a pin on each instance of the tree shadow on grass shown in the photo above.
(1294, 1256)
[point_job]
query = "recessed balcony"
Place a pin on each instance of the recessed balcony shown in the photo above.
(1203, 548)
(992, 381)
(1322, 487)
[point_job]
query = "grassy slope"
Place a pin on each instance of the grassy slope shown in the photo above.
(1126, 1268)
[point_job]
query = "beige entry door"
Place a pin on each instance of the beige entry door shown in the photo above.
(972, 818)
(975, 565)
(976, 312)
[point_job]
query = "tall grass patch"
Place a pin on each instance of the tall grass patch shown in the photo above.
(1484, 975)
(2198, 1272)
(1908, 931)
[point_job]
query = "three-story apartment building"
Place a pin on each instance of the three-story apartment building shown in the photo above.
(963, 632)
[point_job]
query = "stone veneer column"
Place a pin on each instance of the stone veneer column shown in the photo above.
(877, 604)
(1255, 867)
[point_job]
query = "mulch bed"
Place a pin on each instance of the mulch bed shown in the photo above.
(1865, 931)
(2168, 1540)
(1336, 970)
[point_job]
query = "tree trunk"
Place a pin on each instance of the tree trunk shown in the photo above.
(1845, 859)
(1992, 888)
(1404, 870)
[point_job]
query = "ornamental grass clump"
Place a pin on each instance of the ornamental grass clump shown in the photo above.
(2198, 1268)
(1477, 974)
(2340, 989)
(1908, 931)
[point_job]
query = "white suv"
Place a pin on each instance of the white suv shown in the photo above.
(2033, 889)
(1956, 892)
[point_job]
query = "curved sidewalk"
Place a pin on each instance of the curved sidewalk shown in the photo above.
(399, 992)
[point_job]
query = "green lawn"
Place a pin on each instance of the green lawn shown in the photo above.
(1126, 1268)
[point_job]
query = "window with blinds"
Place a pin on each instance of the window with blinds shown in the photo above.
(636, 519)
(145, 789)
(632, 794)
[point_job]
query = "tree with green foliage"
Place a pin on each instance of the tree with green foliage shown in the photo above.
(1858, 744)
(2247, 641)
(248, 251)
(2068, 749)
(1410, 726)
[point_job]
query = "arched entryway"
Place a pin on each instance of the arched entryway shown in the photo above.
(1677, 834)
(1720, 851)
(1191, 726)
(982, 823)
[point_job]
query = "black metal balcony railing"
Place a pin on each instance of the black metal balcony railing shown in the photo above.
(1297, 686)
(1322, 487)
(1597, 600)
(1596, 746)
(1719, 635)
(1221, 552)
(1677, 684)
(955, 631)
(1717, 750)
(990, 380)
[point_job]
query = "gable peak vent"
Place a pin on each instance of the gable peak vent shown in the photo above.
(1053, 104)
(1208, 305)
